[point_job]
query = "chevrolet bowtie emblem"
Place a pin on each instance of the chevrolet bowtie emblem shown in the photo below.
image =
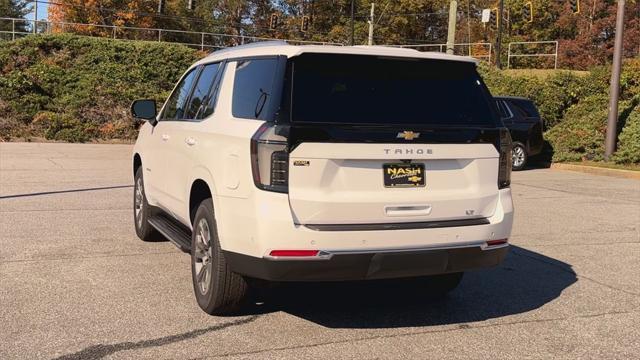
(408, 135)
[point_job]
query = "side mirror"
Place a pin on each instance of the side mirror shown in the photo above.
(144, 109)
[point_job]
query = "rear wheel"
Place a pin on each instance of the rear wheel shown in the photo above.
(218, 290)
(518, 156)
(142, 210)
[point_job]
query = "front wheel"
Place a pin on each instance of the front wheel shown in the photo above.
(142, 210)
(218, 290)
(518, 157)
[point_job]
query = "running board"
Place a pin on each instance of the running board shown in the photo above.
(175, 232)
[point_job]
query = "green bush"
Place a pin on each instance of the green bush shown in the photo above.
(629, 141)
(553, 94)
(72, 88)
(81, 87)
(581, 135)
(575, 108)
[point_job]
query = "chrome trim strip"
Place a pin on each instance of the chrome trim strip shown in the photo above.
(398, 226)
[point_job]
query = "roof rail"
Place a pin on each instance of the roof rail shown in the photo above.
(251, 45)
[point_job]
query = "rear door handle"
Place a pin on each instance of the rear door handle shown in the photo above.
(165, 137)
(190, 141)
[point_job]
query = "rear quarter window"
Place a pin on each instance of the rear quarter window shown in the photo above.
(527, 107)
(253, 88)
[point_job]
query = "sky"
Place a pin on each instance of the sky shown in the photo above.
(42, 11)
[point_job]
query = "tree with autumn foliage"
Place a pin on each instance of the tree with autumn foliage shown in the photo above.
(13, 9)
(134, 13)
(586, 38)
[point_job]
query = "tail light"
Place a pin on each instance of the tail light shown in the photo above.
(270, 160)
(497, 242)
(504, 171)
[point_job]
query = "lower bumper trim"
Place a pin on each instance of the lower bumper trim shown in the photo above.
(363, 266)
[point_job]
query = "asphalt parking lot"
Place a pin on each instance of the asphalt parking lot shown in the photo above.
(76, 283)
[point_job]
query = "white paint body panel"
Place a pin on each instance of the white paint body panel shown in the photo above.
(253, 222)
(343, 183)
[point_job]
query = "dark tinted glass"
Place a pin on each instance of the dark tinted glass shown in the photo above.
(213, 96)
(202, 91)
(253, 87)
(353, 89)
(175, 107)
(527, 107)
(504, 113)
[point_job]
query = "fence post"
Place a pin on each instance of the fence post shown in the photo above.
(159, 35)
(202, 41)
(114, 32)
(509, 56)
(555, 65)
(13, 29)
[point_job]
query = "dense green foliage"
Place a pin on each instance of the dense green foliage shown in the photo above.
(71, 88)
(575, 109)
(586, 38)
(78, 88)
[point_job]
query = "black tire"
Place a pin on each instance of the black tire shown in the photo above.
(144, 230)
(519, 156)
(221, 291)
(443, 284)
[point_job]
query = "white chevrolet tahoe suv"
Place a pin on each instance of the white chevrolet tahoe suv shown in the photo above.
(314, 163)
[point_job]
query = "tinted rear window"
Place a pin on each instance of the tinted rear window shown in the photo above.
(253, 88)
(527, 107)
(356, 89)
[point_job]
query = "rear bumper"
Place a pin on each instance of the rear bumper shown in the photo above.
(384, 264)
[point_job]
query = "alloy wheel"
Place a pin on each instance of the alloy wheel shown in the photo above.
(517, 156)
(139, 203)
(203, 256)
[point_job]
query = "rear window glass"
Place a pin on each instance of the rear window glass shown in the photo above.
(253, 88)
(357, 89)
(527, 107)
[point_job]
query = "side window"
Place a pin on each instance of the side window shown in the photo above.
(253, 88)
(528, 108)
(518, 110)
(213, 96)
(178, 100)
(201, 92)
(504, 112)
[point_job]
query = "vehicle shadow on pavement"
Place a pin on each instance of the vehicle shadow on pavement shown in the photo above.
(525, 281)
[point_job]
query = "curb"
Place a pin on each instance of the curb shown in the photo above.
(624, 174)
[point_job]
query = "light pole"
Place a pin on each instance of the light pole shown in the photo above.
(612, 122)
(451, 34)
(500, 19)
(352, 26)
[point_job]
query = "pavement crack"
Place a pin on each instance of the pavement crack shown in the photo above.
(102, 350)
(460, 327)
(59, 166)
(65, 191)
(69, 209)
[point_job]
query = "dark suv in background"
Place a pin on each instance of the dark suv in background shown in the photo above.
(523, 120)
